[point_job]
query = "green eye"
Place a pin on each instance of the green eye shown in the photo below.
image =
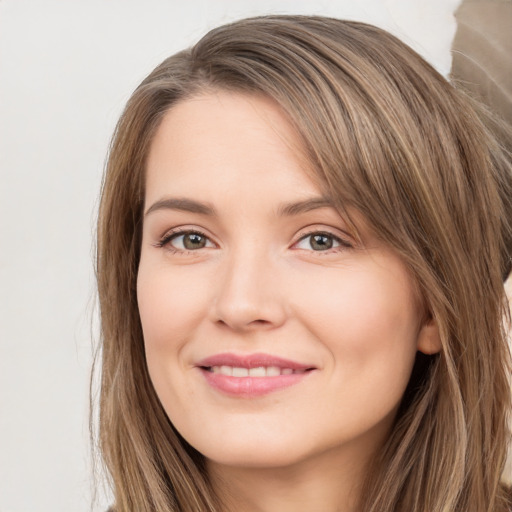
(193, 241)
(320, 242)
(186, 241)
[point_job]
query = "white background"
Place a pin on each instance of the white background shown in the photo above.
(66, 69)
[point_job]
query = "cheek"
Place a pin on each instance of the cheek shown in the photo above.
(170, 307)
(368, 321)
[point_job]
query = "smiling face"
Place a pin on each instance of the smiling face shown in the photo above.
(271, 335)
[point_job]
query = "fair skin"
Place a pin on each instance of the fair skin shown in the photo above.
(226, 268)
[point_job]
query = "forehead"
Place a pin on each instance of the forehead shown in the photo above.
(223, 140)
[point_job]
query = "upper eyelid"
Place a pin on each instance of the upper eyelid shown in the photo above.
(330, 231)
(180, 231)
(343, 242)
(164, 241)
(336, 233)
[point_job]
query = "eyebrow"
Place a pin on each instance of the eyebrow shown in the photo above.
(192, 206)
(296, 208)
(182, 204)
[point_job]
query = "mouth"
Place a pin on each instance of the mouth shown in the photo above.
(251, 375)
(258, 371)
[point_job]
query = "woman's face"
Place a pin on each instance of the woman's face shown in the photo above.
(271, 335)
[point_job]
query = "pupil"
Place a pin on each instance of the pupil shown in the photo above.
(194, 241)
(321, 242)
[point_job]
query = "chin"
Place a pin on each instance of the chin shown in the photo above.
(255, 457)
(246, 448)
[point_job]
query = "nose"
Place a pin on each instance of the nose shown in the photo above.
(249, 295)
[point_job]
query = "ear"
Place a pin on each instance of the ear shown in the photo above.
(429, 341)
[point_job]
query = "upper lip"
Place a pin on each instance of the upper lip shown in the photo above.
(251, 361)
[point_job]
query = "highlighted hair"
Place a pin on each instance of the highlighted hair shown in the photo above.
(383, 133)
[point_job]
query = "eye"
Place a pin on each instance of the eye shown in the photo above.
(186, 241)
(319, 241)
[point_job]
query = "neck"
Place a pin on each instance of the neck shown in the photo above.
(326, 483)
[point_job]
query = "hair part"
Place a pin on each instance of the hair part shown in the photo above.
(385, 135)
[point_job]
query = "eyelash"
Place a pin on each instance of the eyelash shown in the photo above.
(342, 243)
(165, 241)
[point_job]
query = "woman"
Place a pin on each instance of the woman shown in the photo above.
(301, 242)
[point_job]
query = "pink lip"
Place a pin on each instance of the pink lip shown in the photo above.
(251, 386)
(251, 361)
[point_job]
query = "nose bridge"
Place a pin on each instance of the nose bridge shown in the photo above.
(247, 294)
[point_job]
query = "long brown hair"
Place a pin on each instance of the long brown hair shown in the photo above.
(384, 134)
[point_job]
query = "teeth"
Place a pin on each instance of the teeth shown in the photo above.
(240, 372)
(273, 371)
(226, 370)
(257, 372)
(260, 371)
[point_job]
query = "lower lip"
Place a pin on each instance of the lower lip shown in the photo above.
(251, 386)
